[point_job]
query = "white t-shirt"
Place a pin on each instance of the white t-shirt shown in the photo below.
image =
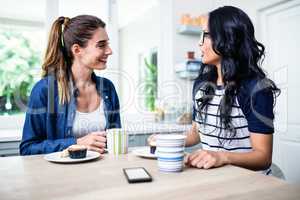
(85, 123)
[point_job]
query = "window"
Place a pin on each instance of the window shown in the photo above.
(148, 79)
(20, 61)
(21, 46)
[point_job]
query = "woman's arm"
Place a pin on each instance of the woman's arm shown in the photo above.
(259, 158)
(40, 135)
(192, 136)
(37, 136)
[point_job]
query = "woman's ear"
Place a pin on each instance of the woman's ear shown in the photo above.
(76, 50)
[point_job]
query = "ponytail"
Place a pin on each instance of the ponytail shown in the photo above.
(56, 60)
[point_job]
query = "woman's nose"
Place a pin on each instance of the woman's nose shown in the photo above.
(108, 51)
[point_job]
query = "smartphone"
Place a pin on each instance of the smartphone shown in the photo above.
(137, 175)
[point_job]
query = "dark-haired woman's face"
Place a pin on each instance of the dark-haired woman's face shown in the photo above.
(208, 55)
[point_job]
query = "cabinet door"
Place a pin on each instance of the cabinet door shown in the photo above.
(281, 31)
(9, 148)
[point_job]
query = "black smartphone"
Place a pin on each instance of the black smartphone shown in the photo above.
(137, 175)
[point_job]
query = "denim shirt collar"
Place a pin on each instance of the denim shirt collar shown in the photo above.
(72, 105)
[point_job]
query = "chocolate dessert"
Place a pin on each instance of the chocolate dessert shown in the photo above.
(152, 147)
(77, 151)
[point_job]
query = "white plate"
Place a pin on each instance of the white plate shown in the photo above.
(55, 157)
(144, 152)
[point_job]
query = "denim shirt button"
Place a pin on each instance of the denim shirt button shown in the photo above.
(106, 97)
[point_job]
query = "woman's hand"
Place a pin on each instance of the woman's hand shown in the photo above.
(94, 141)
(205, 159)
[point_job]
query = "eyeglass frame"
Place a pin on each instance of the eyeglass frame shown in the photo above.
(203, 34)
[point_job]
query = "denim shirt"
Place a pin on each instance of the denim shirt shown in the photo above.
(48, 124)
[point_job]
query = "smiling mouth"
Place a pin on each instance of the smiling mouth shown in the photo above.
(103, 61)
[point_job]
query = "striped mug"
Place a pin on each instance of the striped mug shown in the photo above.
(170, 152)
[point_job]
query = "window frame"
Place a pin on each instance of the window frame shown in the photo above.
(11, 125)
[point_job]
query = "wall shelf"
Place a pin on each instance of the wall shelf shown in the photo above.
(188, 69)
(189, 30)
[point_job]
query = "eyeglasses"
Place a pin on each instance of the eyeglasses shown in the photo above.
(203, 34)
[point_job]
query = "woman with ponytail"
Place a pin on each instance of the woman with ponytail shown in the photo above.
(233, 98)
(70, 104)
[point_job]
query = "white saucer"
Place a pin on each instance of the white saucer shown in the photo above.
(144, 152)
(55, 157)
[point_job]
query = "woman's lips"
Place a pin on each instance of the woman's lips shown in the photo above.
(103, 60)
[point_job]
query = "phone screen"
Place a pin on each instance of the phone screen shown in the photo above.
(137, 174)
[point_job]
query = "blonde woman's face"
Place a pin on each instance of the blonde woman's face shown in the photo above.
(97, 51)
(208, 55)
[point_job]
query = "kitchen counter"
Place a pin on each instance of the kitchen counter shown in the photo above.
(138, 134)
(150, 128)
(132, 129)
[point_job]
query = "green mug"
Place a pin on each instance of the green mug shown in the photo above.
(117, 141)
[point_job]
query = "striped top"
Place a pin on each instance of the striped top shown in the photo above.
(213, 136)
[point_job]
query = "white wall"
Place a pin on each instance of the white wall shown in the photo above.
(71, 8)
(136, 38)
(32, 10)
(130, 10)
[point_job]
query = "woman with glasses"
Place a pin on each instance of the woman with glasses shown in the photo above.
(233, 98)
(70, 104)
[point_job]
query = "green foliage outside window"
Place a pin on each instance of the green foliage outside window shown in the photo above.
(151, 83)
(18, 60)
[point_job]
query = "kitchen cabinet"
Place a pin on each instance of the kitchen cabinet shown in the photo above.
(9, 148)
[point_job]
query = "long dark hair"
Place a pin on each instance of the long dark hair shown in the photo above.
(232, 36)
(58, 58)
